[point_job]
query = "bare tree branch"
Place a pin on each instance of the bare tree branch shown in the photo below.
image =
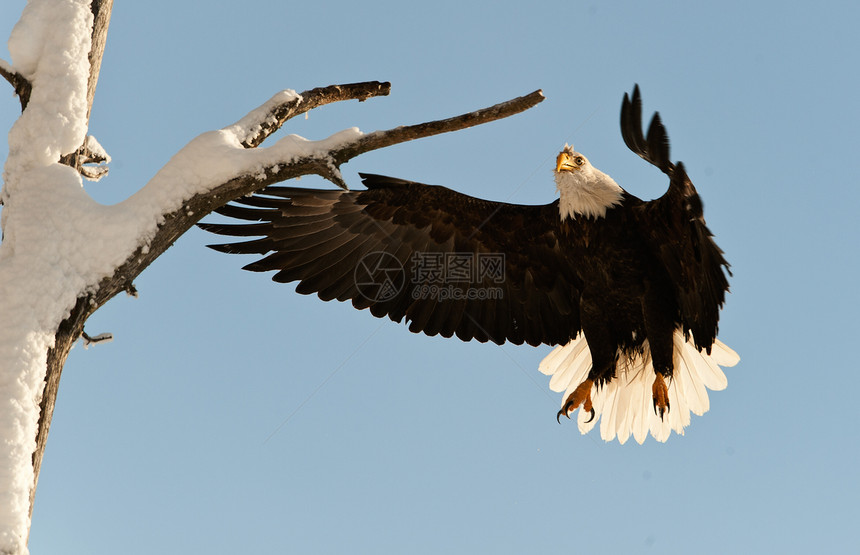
(101, 20)
(269, 121)
(22, 86)
(382, 139)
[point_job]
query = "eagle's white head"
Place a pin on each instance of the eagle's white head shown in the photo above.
(583, 189)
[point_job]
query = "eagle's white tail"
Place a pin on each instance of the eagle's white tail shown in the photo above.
(624, 406)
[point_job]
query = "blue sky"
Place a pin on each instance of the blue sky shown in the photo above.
(232, 415)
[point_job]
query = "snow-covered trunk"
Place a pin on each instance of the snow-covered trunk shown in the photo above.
(39, 278)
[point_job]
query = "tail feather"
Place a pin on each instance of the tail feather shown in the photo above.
(620, 415)
(609, 408)
(576, 364)
(709, 370)
(642, 407)
(689, 380)
(723, 355)
(624, 406)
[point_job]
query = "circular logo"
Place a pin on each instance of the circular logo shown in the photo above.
(379, 276)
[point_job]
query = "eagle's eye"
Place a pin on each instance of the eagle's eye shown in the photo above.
(578, 160)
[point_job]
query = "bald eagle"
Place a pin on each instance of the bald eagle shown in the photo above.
(628, 291)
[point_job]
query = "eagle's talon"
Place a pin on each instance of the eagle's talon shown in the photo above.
(580, 396)
(590, 418)
(661, 396)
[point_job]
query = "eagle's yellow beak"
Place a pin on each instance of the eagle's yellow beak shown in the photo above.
(564, 162)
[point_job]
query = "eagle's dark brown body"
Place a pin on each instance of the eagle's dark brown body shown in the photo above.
(625, 294)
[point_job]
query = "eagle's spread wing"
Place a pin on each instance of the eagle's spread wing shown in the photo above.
(677, 230)
(447, 262)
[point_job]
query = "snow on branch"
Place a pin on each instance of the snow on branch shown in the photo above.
(95, 339)
(268, 118)
(219, 166)
(91, 159)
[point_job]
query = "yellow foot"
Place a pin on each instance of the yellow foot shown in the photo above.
(661, 396)
(580, 396)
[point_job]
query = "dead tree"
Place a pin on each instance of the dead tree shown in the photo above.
(161, 214)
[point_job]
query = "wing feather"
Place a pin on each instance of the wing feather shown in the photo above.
(676, 232)
(319, 237)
